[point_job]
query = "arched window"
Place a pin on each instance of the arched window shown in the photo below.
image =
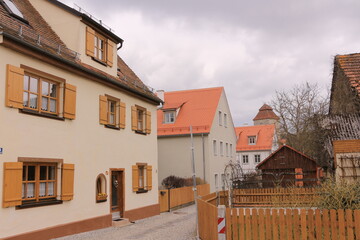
(101, 195)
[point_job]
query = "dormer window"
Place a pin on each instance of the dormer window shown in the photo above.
(169, 117)
(13, 10)
(252, 140)
(99, 48)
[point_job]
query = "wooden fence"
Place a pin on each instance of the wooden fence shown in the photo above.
(292, 224)
(207, 218)
(273, 196)
(171, 198)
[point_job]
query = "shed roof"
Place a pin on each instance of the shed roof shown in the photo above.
(197, 109)
(264, 137)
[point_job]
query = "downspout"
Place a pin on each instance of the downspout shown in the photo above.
(203, 153)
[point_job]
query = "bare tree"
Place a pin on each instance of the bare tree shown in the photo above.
(299, 110)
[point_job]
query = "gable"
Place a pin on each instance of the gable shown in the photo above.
(264, 136)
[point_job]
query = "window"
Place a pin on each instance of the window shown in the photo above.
(214, 147)
(141, 120)
(227, 149)
(220, 118)
(10, 6)
(99, 47)
(30, 183)
(39, 93)
(112, 112)
(245, 159)
(216, 178)
(251, 140)
(221, 149)
(223, 180)
(101, 195)
(231, 150)
(257, 158)
(169, 117)
(225, 120)
(142, 177)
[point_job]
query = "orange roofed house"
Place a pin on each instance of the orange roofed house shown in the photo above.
(208, 112)
(255, 143)
(78, 131)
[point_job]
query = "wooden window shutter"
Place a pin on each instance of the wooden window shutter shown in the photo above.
(134, 118)
(67, 181)
(135, 178)
(90, 42)
(12, 188)
(70, 101)
(122, 115)
(149, 177)
(103, 113)
(14, 86)
(148, 122)
(110, 53)
(299, 176)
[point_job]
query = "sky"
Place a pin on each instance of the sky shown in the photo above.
(251, 48)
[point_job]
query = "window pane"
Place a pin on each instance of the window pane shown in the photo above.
(45, 88)
(100, 55)
(44, 103)
(33, 101)
(24, 173)
(33, 85)
(111, 119)
(43, 172)
(30, 190)
(52, 105)
(51, 189)
(23, 190)
(51, 173)
(26, 82)
(31, 173)
(42, 190)
(53, 88)
(25, 99)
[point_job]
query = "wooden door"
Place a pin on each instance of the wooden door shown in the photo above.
(117, 191)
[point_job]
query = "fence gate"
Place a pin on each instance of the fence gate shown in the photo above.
(164, 200)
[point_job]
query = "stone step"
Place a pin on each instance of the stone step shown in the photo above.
(121, 222)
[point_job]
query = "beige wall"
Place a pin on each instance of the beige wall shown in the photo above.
(90, 146)
(72, 32)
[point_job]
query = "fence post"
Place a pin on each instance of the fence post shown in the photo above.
(221, 222)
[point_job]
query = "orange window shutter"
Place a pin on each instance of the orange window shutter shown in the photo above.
(134, 118)
(67, 181)
(90, 42)
(12, 188)
(103, 113)
(14, 86)
(135, 178)
(70, 101)
(122, 115)
(110, 53)
(148, 122)
(149, 177)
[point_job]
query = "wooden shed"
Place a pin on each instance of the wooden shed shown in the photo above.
(288, 167)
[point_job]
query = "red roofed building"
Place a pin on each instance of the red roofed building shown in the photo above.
(207, 111)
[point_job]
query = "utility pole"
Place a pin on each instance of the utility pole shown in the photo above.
(194, 181)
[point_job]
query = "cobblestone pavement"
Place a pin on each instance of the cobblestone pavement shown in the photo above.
(176, 225)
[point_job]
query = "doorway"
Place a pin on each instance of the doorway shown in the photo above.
(117, 193)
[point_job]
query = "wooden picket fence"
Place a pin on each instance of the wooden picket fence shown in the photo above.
(207, 217)
(273, 196)
(292, 224)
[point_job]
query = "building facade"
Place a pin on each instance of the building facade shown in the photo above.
(78, 140)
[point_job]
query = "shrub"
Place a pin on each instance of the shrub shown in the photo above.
(173, 182)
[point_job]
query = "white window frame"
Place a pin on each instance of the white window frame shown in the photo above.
(221, 148)
(259, 160)
(251, 140)
(215, 148)
(227, 149)
(220, 118)
(231, 150)
(216, 179)
(169, 116)
(245, 157)
(225, 120)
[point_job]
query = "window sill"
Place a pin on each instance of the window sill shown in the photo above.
(140, 132)
(99, 61)
(36, 113)
(141, 191)
(39, 204)
(111, 127)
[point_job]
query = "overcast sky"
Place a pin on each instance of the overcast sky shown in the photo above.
(252, 48)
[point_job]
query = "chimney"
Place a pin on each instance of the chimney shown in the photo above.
(160, 94)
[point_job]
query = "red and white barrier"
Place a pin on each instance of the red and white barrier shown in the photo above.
(221, 222)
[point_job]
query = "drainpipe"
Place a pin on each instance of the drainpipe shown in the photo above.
(203, 153)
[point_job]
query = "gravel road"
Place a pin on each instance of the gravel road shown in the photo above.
(176, 225)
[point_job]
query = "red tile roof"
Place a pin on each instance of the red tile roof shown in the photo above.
(350, 64)
(198, 109)
(264, 134)
(265, 112)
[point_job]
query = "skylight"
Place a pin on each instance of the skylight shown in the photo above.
(13, 9)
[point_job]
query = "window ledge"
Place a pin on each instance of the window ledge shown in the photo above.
(99, 61)
(140, 132)
(141, 191)
(36, 113)
(111, 127)
(39, 204)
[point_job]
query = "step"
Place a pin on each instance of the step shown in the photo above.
(121, 222)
